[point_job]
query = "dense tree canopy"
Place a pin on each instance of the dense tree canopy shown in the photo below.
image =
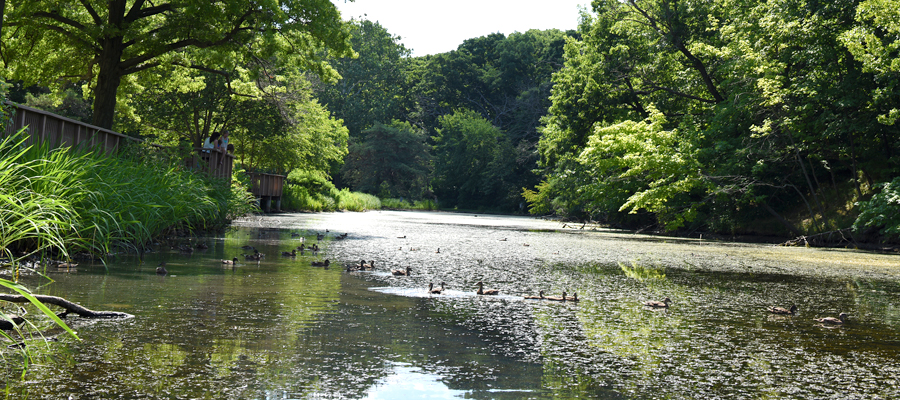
(504, 80)
(390, 161)
(738, 112)
(109, 44)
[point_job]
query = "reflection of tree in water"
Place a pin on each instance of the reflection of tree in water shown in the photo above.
(359, 346)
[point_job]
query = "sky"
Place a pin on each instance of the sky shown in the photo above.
(431, 27)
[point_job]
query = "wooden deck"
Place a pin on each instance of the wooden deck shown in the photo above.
(268, 189)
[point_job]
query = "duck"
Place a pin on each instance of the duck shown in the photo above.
(161, 269)
(231, 261)
(573, 298)
(202, 246)
(783, 311)
(367, 267)
(314, 247)
(402, 272)
(557, 298)
(292, 253)
(482, 291)
(248, 247)
(252, 257)
(658, 304)
(321, 263)
(433, 290)
(832, 320)
(65, 265)
(540, 296)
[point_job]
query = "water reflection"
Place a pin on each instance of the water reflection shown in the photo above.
(406, 382)
(280, 327)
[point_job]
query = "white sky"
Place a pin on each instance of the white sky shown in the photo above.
(438, 26)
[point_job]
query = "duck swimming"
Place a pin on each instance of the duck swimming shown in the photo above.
(557, 298)
(832, 320)
(433, 290)
(230, 262)
(482, 291)
(783, 311)
(658, 304)
(292, 253)
(540, 296)
(402, 272)
(321, 263)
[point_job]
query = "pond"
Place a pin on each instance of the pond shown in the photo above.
(281, 328)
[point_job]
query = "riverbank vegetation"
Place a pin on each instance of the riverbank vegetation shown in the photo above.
(737, 118)
(62, 203)
(729, 117)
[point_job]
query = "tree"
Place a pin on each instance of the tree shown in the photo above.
(288, 131)
(110, 43)
(468, 153)
(775, 116)
(191, 107)
(373, 87)
(389, 160)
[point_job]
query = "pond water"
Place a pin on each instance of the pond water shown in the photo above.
(281, 328)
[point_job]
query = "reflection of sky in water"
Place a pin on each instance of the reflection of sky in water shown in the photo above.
(411, 383)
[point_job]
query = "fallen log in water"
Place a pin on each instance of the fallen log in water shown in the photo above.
(68, 305)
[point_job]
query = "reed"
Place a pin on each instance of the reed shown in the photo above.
(68, 200)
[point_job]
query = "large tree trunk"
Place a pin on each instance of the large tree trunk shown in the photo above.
(2, 11)
(110, 75)
(107, 84)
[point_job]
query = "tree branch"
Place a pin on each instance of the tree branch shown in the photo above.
(96, 17)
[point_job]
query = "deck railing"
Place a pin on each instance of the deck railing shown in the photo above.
(58, 131)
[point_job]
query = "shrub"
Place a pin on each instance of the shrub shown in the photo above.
(882, 211)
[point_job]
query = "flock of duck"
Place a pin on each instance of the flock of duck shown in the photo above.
(432, 289)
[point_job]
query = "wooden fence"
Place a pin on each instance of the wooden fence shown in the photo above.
(58, 131)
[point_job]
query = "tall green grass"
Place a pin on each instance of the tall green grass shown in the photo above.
(403, 204)
(69, 200)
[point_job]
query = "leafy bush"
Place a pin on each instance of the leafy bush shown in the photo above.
(354, 201)
(882, 211)
(312, 191)
(403, 204)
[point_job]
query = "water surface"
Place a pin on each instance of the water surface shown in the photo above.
(282, 328)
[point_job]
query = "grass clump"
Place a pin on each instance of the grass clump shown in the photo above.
(403, 204)
(66, 200)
